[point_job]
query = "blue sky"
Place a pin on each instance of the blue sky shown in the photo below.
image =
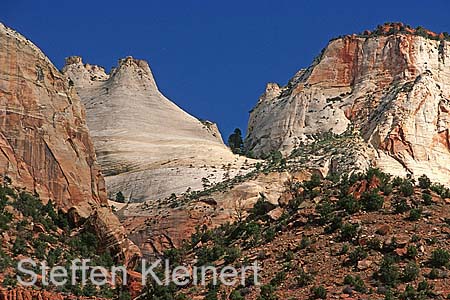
(212, 58)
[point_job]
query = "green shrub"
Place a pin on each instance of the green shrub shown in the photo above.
(386, 189)
(5, 261)
(439, 258)
(288, 255)
(344, 249)
(269, 235)
(424, 182)
(236, 295)
(20, 246)
(401, 206)
(349, 204)
(374, 244)
(335, 224)
(120, 197)
(415, 214)
(356, 282)
(441, 190)
(388, 272)
(406, 188)
(313, 182)
(325, 210)
(39, 248)
(278, 279)
(5, 219)
(318, 292)
(372, 201)
(411, 251)
(427, 199)
(397, 181)
(425, 288)
(409, 293)
(232, 254)
(303, 279)
(356, 255)
(349, 232)
(9, 281)
(305, 242)
(411, 272)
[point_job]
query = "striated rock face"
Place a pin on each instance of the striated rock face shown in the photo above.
(392, 87)
(147, 146)
(45, 145)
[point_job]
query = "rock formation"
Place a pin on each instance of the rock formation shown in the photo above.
(391, 86)
(147, 146)
(156, 227)
(45, 145)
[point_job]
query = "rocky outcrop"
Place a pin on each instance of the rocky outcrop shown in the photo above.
(391, 86)
(147, 146)
(45, 146)
(156, 227)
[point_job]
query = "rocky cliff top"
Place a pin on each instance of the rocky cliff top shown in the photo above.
(398, 27)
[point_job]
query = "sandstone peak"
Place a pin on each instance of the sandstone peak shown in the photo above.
(73, 60)
(393, 88)
(272, 91)
(148, 147)
(129, 70)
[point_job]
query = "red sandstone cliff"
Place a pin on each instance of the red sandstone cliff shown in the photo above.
(391, 85)
(45, 146)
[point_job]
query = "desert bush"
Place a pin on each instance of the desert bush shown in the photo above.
(401, 206)
(349, 232)
(427, 199)
(372, 201)
(411, 251)
(303, 278)
(356, 255)
(424, 182)
(410, 272)
(388, 272)
(415, 214)
(356, 282)
(318, 292)
(349, 204)
(439, 258)
(406, 188)
(314, 182)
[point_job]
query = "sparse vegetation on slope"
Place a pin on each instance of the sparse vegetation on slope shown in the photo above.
(369, 236)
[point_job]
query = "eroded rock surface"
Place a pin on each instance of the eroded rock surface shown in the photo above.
(147, 146)
(392, 87)
(45, 146)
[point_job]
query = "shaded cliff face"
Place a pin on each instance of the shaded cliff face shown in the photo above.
(147, 146)
(44, 141)
(393, 88)
(45, 145)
